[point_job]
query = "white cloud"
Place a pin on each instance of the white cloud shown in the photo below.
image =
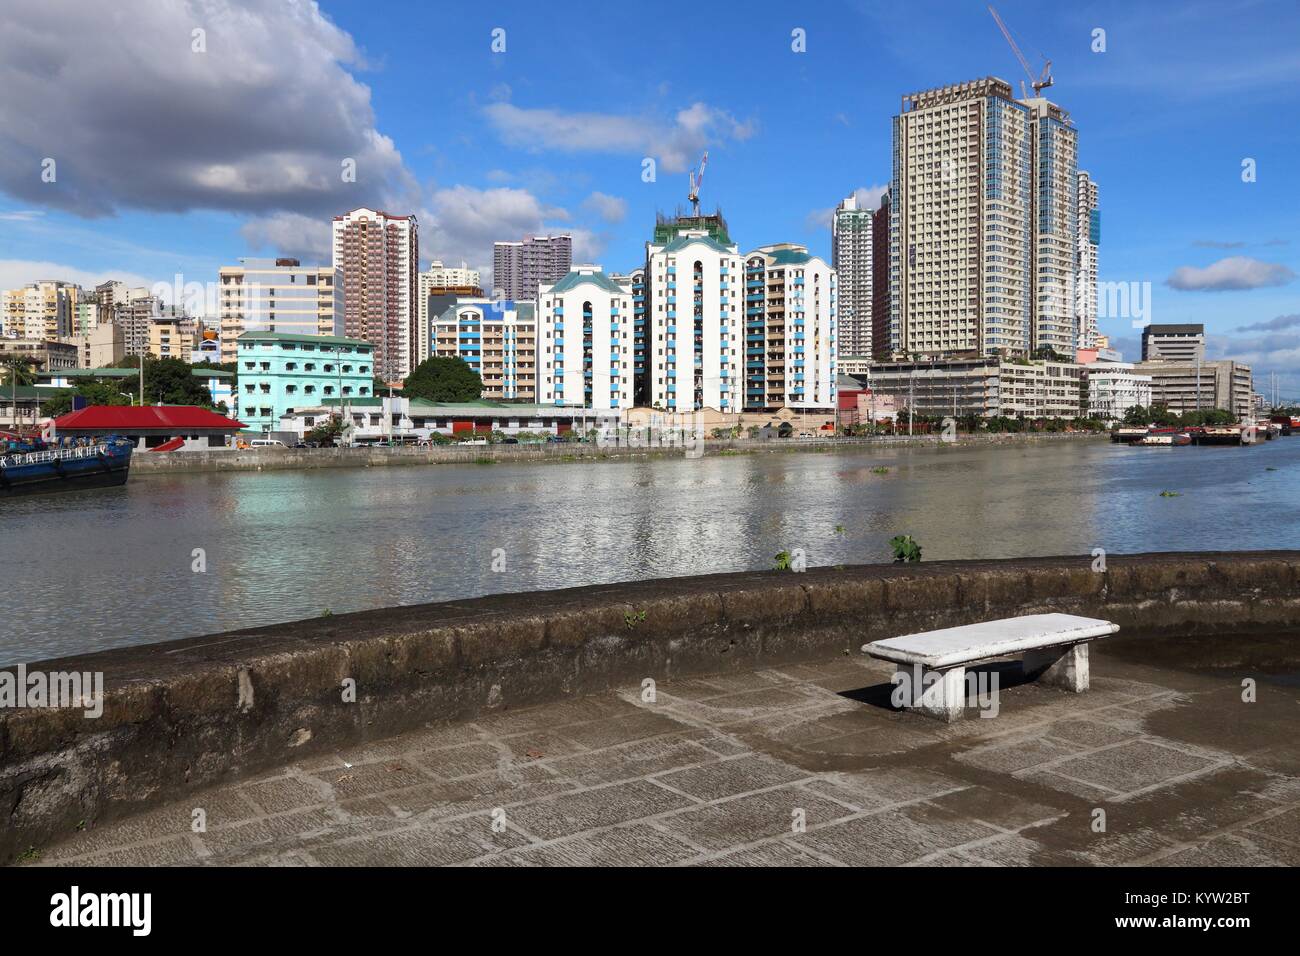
(609, 208)
(1232, 273)
(677, 144)
(462, 222)
(15, 273)
(307, 238)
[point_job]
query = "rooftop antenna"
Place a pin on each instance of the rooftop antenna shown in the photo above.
(697, 180)
(1044, 79)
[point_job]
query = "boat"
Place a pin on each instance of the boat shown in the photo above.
(1165, 439)
(1127, 434)
(32, 467)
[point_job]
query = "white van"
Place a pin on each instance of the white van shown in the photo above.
(266, 443)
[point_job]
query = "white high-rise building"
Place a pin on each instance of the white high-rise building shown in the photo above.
(277, 295)
(790, 329)
(983, 223)
(851, 248)
(42, 310)
(377, 257)
(586, 337)
(695, 327)
(1088, 224)
(439, 279)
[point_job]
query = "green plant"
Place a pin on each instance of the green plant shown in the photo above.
(880, 470)
(327, 613)
(633, 618)
(839, 529)
(905, 548)
(784, 560)
(29, 855)
(1171, 494)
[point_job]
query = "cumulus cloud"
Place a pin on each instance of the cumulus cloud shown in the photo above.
(676, 143)
(462, 222)
(307, 238)
(15, 273)
(1232, 273)
(609, 208)
(868, 198)
(134, 118)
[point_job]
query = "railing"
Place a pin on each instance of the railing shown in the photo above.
(52, 454)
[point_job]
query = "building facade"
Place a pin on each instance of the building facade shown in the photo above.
(1201, 386)
(790, 330)
(435, 283)
(694, 324)
(983, 386)
(498, 340)
(376, 257)
(1173, 343)
(1115, 387)
(852, 242)
(279, 371)
(277, 295)
(518, 268)
(41, 310)
(1088, 223)
(587, 341)
(983, 223)
(880, 278)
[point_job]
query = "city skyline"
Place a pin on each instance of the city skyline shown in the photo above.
(515, 149)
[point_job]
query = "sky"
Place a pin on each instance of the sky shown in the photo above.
(134, 147)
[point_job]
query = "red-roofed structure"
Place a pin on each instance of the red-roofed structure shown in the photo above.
(148, 425)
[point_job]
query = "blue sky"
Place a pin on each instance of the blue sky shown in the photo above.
(176, 160)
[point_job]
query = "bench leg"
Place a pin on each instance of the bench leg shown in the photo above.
(1067, 669)
(942, 694)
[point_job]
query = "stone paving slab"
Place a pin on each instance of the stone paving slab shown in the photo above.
(805, 765)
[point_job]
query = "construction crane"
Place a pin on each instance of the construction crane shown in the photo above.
(1044, 79)
(697, 180)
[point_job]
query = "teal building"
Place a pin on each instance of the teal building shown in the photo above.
(280, 372)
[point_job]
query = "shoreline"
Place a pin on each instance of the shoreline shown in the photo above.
(269, 459)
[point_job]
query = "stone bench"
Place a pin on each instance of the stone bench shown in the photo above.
(1054, 648)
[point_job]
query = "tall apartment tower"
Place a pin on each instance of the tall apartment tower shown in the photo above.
(1088, 223)
(880, 347)
(790, 330)
(277, 295)
(587, 341)
(982, 223)
(376, 257)
(851, 257)
(694, 325)
(518, 268)
(440, 281)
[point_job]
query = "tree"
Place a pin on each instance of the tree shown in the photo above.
(168, 380)
(95, 393)
(1137, 416)
(443, 378)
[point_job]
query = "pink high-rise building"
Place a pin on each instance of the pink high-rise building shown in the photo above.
(377, 256)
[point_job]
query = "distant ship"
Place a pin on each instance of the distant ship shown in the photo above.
(31, 467)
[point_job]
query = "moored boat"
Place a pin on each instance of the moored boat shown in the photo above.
(33, 467)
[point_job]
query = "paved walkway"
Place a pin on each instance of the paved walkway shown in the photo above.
(802, 765)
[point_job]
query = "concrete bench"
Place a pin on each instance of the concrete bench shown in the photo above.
(1054, 648)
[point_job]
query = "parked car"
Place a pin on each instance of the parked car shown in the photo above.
(267, 443)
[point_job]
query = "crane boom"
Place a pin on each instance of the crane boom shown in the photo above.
(1044, 79)
(696, 182)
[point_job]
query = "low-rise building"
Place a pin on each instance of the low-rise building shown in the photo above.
(1200, 386)
(149, 425)
(987, 387)
(1115, 387)
(382, 419)
(45, 354)
(281, 371)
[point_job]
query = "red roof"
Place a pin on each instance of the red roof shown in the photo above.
(130, 418)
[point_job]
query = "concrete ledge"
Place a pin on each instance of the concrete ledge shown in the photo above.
(187, 714)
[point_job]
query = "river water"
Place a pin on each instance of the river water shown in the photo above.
(114, 567)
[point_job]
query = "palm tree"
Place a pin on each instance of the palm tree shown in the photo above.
(20, 372)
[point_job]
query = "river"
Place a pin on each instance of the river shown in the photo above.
(114, 567)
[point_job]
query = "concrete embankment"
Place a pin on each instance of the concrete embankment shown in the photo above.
(273, 459)
(187, 714)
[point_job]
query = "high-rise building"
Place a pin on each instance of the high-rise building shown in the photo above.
(135, 314)
(790, 330)
(277, 295)
(982, 223)
(439, 281)
(880, 347)
(497, 339)
(851, 257)
(587, 356)
(1173, 343)
(1088, 222)
(1200, 386)
(377, 257)
(635, 280)
(43, 309)
(518, 268)
(695, 329)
